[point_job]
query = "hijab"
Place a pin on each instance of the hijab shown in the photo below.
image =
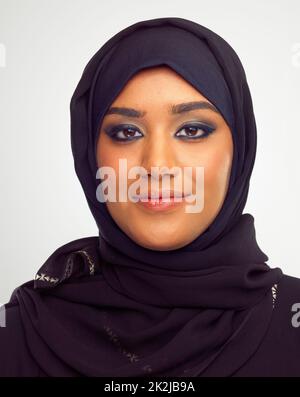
(106, 306)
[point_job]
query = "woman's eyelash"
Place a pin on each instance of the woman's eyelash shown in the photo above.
(114, 132)
(206, 130)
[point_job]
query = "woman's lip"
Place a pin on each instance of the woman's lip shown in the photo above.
(161, 204)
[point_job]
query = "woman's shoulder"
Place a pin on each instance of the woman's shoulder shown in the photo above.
(278, 354)
(286, 314)
(73, 258)
(288, 289)
(15, 356)
(288, 304)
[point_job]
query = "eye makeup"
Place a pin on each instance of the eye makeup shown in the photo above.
(114, 132)
(205, 130)
(129, 132)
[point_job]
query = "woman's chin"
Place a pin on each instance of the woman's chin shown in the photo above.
(159, 241)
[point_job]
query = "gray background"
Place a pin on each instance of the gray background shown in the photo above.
(44, 47)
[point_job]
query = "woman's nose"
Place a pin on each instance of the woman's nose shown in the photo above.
(158, 151)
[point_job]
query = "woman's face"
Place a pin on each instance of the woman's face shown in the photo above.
(159, 132)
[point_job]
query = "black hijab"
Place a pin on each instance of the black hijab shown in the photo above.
(105, 306)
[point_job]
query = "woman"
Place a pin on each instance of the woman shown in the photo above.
(162, 291)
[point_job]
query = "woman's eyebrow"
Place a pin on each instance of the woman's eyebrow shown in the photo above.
(175, 109)
(188, 106)
(129, 112)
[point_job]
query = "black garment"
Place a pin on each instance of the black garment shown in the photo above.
(277, 355)
(105, 306)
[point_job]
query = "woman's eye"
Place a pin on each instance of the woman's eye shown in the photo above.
(123, 133)
(194, 131)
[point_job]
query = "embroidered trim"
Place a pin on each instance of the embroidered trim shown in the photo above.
(274, 293)
(69, 268)
(91, 263)
(44, 277)
(114, 338)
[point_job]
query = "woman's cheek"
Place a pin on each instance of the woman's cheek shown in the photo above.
(216, 170)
